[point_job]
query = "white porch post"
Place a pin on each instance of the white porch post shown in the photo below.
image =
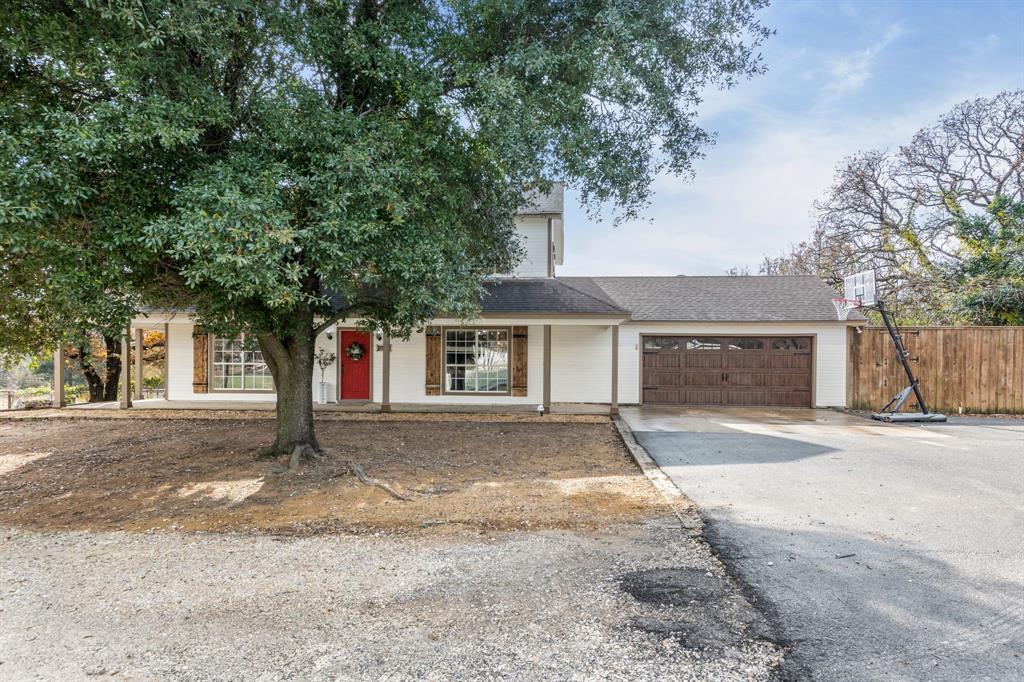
(167, 361)
(614, 409)
(126, 371)
(385, 371)
(58, 377)
(547, 369)
(138, 364)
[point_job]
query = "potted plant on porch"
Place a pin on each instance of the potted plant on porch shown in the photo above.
(324, 359)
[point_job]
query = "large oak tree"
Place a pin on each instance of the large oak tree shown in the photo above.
(275, 164)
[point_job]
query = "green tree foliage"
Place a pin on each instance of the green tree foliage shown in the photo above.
(990, 275)
(272, 164)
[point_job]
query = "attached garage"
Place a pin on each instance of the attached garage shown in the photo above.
(774, 371)
(772, 341)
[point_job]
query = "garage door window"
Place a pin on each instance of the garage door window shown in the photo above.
(791, 344)
(746, 344)
(703, 344)
(661, 343)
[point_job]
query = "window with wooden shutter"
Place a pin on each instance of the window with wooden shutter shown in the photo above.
(433, 368)
(200, 361)
(520, 351)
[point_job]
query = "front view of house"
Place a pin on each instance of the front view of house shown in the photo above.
(543, 339)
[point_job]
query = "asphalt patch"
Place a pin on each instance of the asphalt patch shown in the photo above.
(698, 609)
(674, 586)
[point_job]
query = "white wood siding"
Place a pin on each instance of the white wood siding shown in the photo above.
(829, 351)
(581, 364)
(533, 235)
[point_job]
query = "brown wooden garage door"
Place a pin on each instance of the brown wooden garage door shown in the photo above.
(727, 370)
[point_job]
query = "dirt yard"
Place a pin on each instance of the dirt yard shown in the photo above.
(528, 549)
(203, 474)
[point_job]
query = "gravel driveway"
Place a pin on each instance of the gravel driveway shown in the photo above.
(637, 602)
(889, 552)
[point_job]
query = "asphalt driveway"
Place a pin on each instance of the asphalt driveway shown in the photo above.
(884, 552)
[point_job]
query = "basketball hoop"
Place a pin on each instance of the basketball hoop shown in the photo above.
(844, 306)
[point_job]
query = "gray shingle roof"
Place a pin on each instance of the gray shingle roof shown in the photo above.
(543, 295)
(552, 202)
(718, 299)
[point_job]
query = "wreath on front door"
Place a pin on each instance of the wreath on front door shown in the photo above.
(355, 350)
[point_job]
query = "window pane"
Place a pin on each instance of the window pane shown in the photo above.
(238, 367)
(791, 344)
(746, 344)
(703, 343)
(476, 360)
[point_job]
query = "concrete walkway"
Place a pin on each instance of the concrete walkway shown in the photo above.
(885, 552)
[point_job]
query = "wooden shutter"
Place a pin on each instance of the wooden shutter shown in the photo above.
(433, 369)
(520, 351)
(200, 361)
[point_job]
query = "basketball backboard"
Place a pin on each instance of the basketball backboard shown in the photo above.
(860, 287)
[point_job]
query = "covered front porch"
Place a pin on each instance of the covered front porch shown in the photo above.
(512, 362)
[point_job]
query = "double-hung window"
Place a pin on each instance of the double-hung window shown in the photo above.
(238, 366)
(476, 360)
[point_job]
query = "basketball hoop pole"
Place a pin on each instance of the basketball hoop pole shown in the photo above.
(860, 291)
(891, 411)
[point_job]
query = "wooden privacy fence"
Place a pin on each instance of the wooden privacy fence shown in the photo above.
(976, 369)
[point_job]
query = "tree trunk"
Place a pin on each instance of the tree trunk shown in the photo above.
(92, 377)
(102, 388)
(290, 360)
(114, 367)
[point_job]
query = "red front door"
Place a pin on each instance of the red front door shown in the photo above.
(355, 365)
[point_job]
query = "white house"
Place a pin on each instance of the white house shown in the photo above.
(543, 339)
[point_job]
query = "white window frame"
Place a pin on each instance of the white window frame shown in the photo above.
(477, 331)
(249, 361)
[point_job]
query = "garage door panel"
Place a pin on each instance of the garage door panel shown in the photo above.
(662, 360)
(707, 370)
(702, 360)
(791, 380)
(742, 360)
(743, 379)
(702, 396)
(662, 396)
(790, 398)
(698, 378)
(742, 397)
(663, 378)
(789, 361)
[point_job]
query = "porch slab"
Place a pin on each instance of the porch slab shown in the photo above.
(269, 405)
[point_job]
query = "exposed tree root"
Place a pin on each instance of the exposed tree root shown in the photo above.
(360, 473)
(270, 452)
(302, 450)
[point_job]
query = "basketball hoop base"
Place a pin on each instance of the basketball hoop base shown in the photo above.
(909, 417)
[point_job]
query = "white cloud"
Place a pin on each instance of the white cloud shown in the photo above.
(853, 71)
(752, 196)
(781, 137)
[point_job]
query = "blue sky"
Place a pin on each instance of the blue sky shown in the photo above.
(842, 77)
